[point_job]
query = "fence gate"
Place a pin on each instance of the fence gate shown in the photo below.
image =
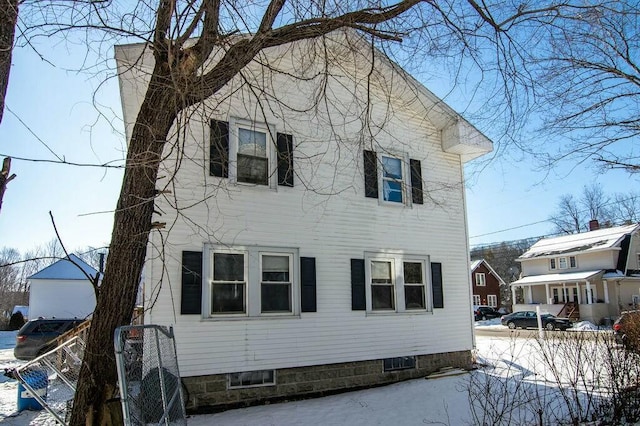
(150, 386)
(49, 381)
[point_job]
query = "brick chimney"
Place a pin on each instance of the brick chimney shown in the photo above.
(594, 225)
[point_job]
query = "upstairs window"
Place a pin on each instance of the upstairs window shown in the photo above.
(252, 157)
(480, 279)
(393, 179)
(563, 263)
(393, 185)
(245, 152)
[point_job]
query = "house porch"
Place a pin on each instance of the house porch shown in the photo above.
(585, 300)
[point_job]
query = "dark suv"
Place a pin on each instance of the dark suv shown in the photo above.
(626, 329)
(39, 336)
(483, 312)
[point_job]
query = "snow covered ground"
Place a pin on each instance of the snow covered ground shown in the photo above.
(416, 402)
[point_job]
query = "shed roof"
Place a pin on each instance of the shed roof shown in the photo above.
(601, 239)
(65, 269)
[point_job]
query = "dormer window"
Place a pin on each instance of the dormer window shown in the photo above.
(563, 263)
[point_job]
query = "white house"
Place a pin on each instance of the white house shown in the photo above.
(62, 290)
(310, 247)
(588, 276)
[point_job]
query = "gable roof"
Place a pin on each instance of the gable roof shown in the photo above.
(592, 241)
(476, 263)
(458, 135)
(64, 269)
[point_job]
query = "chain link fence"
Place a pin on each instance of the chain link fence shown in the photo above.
(150, 385)
(49, 381)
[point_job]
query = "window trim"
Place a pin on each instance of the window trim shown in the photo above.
(407, 199)
(493, 297)
(235, 124)
(476, 298)
(290, 283)
(555, 263)
(397, 260)
(481, 279)
(253, 271)
(257, 385)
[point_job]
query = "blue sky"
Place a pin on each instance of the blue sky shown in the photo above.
(52, 105)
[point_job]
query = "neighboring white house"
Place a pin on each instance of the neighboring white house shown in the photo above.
(62, 290)
(310, 248)
(590, 276)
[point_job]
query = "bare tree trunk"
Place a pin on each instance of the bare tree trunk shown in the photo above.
(5, 177)
(8, 19)
(132, 224)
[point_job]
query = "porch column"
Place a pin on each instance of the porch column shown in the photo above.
(589, 298)
(513, 296)
(529, 295)
(579, 301)
(546, 287)
(606, 291)
(565, 293)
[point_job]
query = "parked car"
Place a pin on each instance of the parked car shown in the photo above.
(626, 329)
(484, 312)
(39, 336)
(528, 319)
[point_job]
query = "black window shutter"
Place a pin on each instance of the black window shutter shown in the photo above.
(358, 300)
(436, 285)
(308, 284)
(370, 174)
(285, 159)
(191, 300)
(416, 181)
(219, 149)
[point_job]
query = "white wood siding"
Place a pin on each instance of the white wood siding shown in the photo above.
(606, 259)
(325, 215)
(61, 299)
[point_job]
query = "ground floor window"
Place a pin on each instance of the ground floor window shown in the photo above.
(476, 299)
(252, 281)
(395, 282)
(492, 300)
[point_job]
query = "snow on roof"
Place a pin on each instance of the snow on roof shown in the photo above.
(613, 274)
(601, 239)
(63, 269)
(556, 278)
(477, 263)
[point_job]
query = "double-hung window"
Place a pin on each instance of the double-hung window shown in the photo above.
(275, 287)
(382, 285)
(396, 283)
(252, 156)
(229, 284)
(492, 300)
(393, 185)
(563, 263)
(253, 281)
(393, 178)
(414, 285)
(481, 280)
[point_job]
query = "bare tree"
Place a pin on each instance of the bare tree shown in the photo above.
(8, 20)
(573, 215)
(590, 81)
(499, 40)
(568, 218)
